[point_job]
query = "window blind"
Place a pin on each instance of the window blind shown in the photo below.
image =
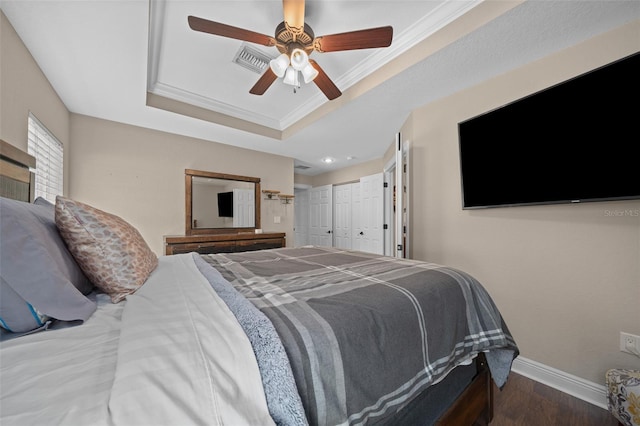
(48, 151)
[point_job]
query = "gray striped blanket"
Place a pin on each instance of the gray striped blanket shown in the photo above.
(364, 333)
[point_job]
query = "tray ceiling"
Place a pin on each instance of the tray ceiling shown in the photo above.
(139, 63)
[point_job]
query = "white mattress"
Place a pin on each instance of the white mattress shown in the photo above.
(171, 354)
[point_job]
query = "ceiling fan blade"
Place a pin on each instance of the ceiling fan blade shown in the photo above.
(362, 39)
(263, 83)
(324, 83)
(224, 30)
(294, 14)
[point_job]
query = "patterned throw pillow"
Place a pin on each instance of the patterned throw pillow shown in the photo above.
(623, 395)
(110, 251)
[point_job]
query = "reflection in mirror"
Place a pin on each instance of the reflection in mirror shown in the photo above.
(220, 203)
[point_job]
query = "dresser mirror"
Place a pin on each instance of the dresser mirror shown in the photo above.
(221, 203)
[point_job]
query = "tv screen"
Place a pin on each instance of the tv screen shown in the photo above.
(573, 142)
(225, 204)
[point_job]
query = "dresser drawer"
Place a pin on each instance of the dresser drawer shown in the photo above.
(262, 244)
(223, 243)
(205, 248)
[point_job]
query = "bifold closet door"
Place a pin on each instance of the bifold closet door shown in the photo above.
(321, 216)
(342, 216)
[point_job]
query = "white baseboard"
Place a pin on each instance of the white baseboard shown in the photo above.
(590, 392)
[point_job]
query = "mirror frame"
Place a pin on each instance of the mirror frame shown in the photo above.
(189, 174)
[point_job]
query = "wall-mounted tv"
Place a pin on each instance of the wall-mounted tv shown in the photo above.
(225, 204)
(573, 142)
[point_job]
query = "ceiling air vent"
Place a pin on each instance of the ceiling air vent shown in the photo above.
(301, 167)
(252, 59)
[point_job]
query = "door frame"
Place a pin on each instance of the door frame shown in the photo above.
(397, 225)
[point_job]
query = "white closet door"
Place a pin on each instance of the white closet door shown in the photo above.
(372, 216)
(321, 216)
(342, 216)
(356, 217)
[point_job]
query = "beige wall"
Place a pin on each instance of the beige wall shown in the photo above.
(138, 174)
(565, 277)
(25, 88)
(299, 179)
(344, 175)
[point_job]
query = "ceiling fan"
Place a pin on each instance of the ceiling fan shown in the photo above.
(295, 41)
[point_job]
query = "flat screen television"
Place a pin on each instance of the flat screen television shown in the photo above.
(225, 204)
(574, 142)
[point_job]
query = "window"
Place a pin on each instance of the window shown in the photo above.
(49, 160)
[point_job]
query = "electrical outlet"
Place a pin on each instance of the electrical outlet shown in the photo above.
(630, 343)
(276, 219)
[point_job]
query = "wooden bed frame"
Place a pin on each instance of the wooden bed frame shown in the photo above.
(474, 406)
(16, 180)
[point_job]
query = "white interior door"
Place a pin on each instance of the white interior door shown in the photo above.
(342, 216)
(402, 198)
(321, 216)
(243, 208)
(372, 216)
(406, 199)
(389, 217)
(301, 225)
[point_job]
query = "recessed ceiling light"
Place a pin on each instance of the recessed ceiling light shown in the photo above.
(328, 160)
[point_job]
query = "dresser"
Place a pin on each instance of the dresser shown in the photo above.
(223, 243)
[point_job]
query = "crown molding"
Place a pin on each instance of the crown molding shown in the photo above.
(178, 94)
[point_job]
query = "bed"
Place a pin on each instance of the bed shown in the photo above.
(16, 179)
(99, 330)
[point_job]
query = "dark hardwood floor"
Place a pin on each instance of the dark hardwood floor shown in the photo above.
(525, 402)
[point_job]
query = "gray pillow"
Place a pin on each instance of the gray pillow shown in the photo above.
(39, 201)
(39, 276)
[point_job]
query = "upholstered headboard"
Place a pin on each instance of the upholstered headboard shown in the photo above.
(16, 180)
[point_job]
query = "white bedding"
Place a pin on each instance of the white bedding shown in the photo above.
(171, 354)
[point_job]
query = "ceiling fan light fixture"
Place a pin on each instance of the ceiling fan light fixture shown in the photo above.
(291, 77)
(309, 73)
(295, 40)
(299, 59)
(279, 65)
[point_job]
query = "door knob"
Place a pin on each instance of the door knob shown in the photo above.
(361, 233)
(328, 232)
